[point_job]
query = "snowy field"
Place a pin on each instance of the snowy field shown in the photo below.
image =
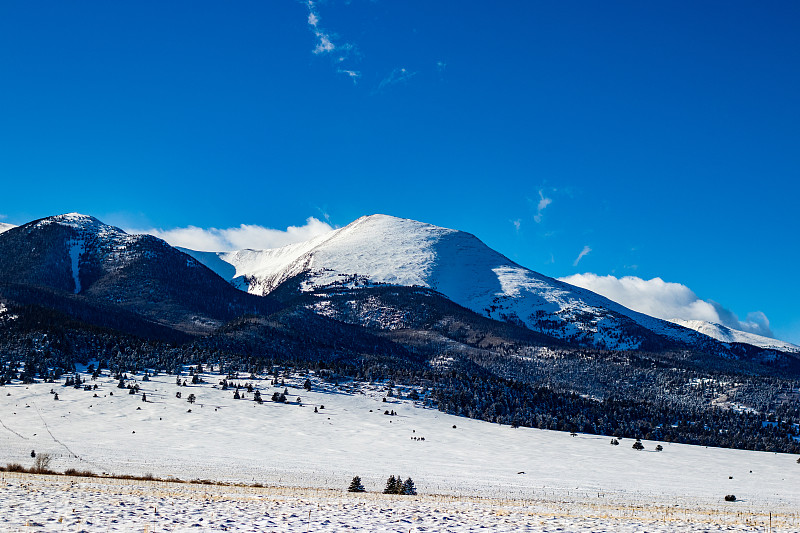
(472, 476)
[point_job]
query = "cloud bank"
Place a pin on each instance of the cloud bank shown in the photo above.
(666, 300)
(238, 238)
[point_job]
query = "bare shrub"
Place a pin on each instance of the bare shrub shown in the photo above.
(41, 463)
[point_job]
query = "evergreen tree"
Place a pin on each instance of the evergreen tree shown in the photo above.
(393, 485)
(409, 488)
(356, 486)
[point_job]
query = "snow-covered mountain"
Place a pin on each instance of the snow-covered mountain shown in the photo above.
(381, 249)
(729, 335)
(78, 255)
(6, 227)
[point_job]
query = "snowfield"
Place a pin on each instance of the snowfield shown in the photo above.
(471, 476)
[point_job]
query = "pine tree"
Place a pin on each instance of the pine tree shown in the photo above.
(392, 485)
(356, 486)
(409, 488)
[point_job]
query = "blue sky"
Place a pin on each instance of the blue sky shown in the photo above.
(659, 139)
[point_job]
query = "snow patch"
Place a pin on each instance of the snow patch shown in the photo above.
(76, 249)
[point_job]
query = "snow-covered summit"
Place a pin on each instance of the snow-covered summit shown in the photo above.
(80, 222)
(382, 249)
(5, 227)
(729, 335)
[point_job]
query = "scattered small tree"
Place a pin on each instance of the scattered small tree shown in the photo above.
(356, 486)
(307, 384)
(730, 498)
(191, 398)
(638, 445)
(659, 448)
(614, 442)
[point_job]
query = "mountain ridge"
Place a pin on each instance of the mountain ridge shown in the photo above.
(382, 249)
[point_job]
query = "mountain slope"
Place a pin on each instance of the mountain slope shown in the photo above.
(381, 249)
(77, 254)
(6, 227)
(729, 335)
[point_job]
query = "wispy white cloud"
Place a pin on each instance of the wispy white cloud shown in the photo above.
(581, 255)
(354, 74)
(324, 41)
(517, 223)
(541, 206)
(398, 75)
(238, 238)
(667, 300)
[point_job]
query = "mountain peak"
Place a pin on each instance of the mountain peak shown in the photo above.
(83, 224)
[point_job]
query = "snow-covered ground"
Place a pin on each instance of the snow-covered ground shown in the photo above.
(473, 475)
(57, 503)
